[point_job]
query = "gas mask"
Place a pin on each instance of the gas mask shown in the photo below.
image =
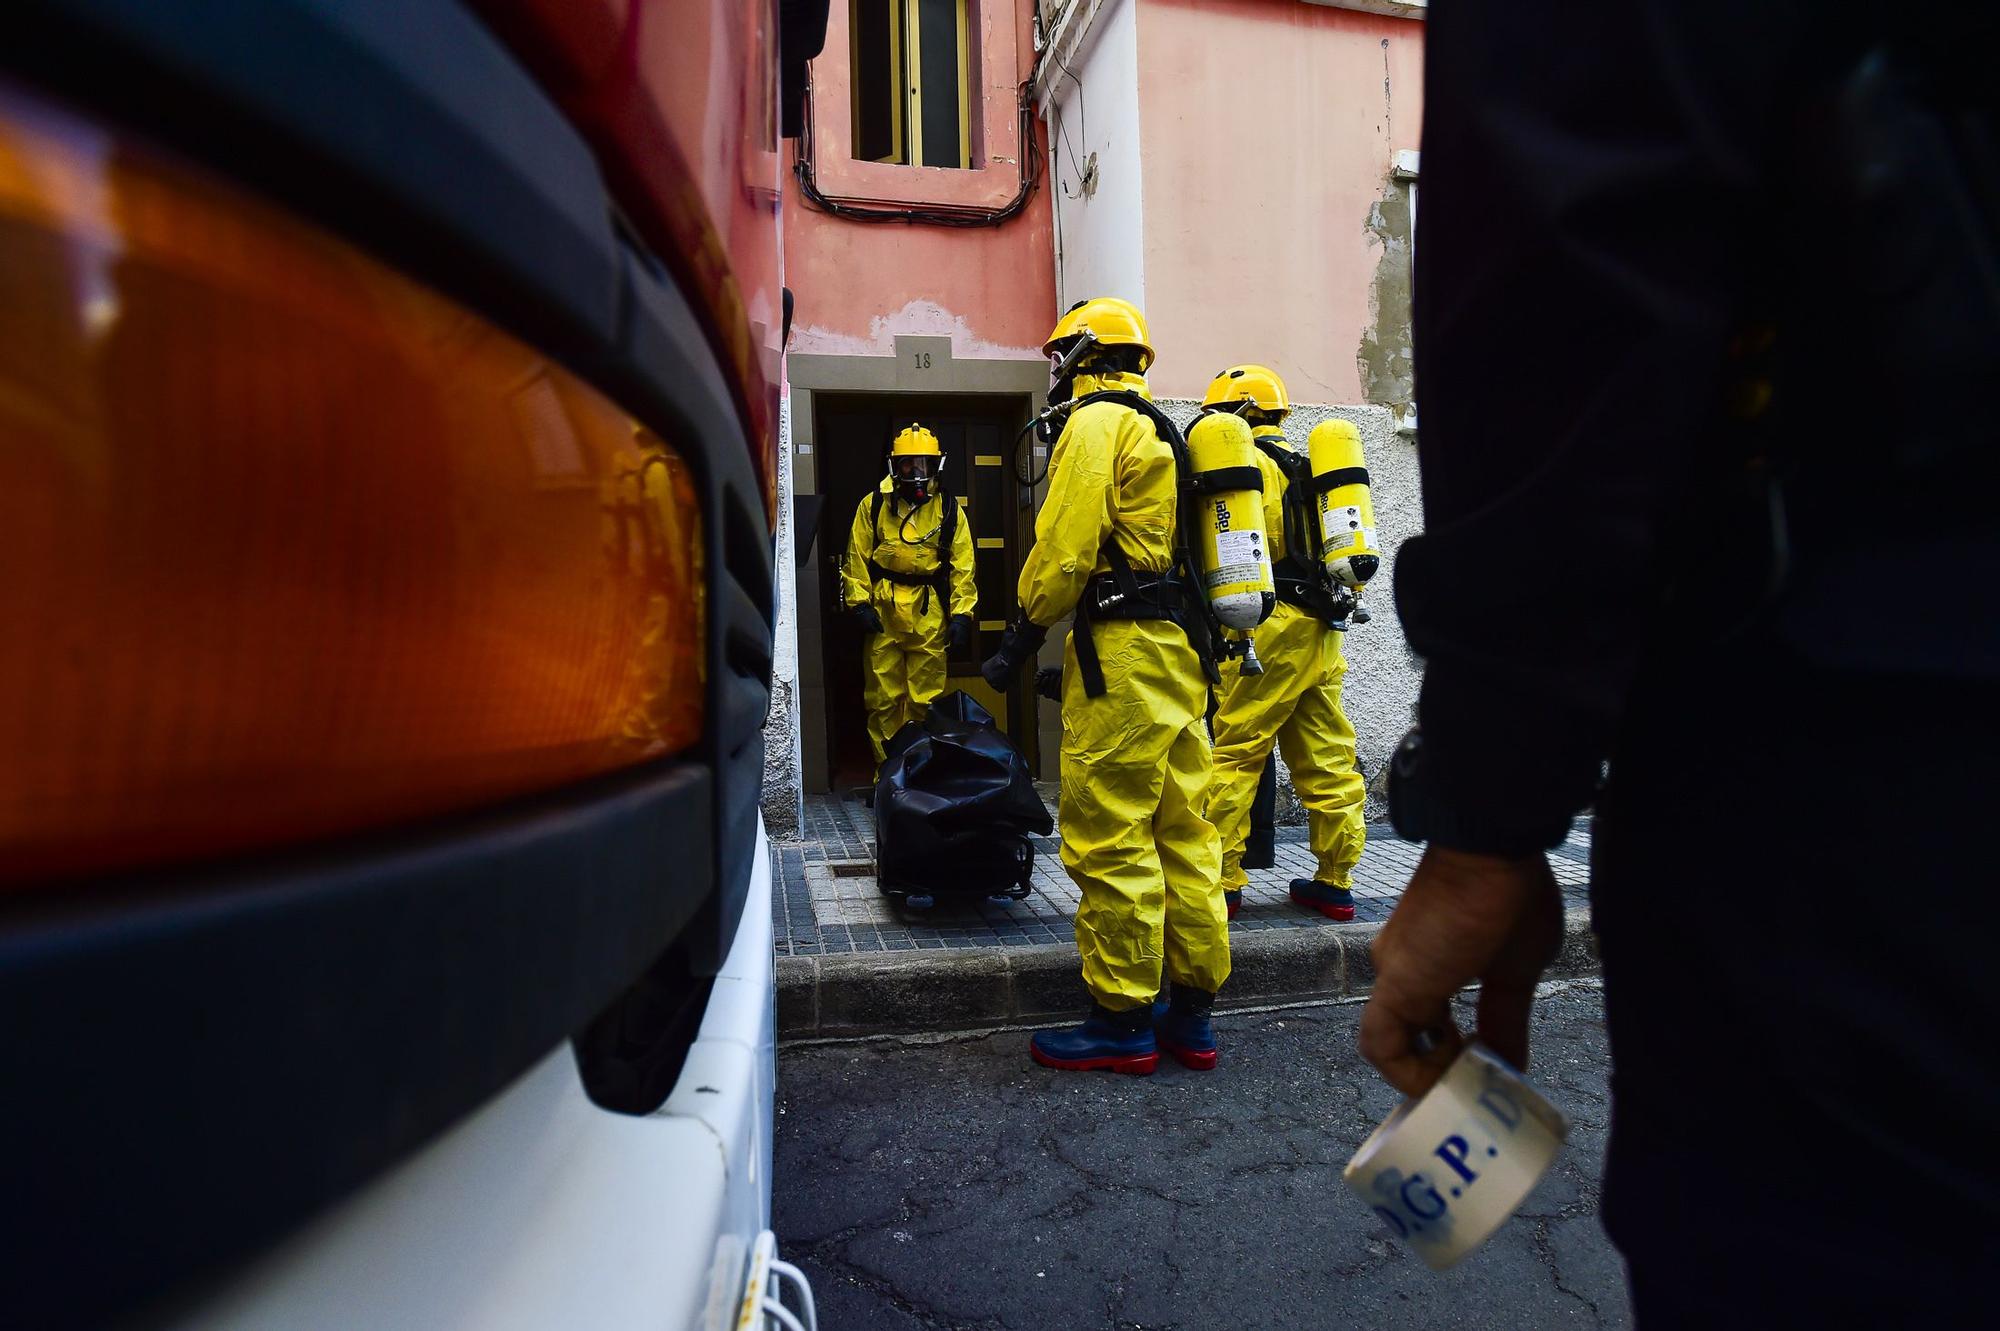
(914, 476)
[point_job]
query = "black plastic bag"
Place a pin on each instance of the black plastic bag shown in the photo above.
(954, 807)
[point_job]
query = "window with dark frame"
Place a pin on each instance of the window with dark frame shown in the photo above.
(910, 62)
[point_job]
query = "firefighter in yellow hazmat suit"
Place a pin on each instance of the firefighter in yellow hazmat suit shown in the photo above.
(907, 577)
(1135, 756)
(1296, 701)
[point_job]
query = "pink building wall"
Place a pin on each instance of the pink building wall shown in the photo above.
(1268, 128)
(857, 285)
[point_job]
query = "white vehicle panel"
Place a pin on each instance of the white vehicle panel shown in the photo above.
(541, 1210)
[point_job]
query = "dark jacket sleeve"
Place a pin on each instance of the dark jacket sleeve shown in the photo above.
(1595, 181)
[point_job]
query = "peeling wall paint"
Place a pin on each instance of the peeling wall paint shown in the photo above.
(918, 318)
(1256, 193)
(1386, 359)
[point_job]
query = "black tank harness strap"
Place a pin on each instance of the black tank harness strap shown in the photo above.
(1311, 595)
(1300, 538)
(941, 580)
(1127, 594)
(1123, 593)
(1299, 577)
(1333, 480)
(1228, 478)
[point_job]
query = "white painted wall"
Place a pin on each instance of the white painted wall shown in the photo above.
(1100, 249)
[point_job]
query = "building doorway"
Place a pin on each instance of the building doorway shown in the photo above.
(976, 431)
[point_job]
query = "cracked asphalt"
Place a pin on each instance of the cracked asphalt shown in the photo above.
(953, 1184)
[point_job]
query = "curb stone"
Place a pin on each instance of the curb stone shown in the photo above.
(890, 993)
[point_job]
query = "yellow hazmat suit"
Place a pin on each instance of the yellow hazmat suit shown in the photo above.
(1296, 702)
(904, 664)
(1135, 761)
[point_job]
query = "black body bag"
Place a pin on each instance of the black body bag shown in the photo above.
(955, 806)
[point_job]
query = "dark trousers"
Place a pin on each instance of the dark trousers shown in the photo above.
(1793, 885)
(1260, 845)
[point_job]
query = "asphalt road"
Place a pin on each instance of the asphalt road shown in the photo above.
(955, 1184)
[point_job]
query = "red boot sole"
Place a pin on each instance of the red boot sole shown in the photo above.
(1340, 913)
(1132, 1065)
(1199, 1060)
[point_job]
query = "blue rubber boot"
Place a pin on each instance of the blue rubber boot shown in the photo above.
(1233, 901)
(1336, 903)
(1183, 1029)
(1107, 1041)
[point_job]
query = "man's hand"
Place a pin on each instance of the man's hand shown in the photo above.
(958, 632)
(1464, 917)
(865, 615)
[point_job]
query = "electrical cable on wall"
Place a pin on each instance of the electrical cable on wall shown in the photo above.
(1082, 113)
(1058, 136)
(1058, 141)
(925, 214)
(1055, 210)
(1056, 145)
(1077, 162)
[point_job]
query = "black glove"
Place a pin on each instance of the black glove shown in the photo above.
(958, 633)
(865, 616)
(1048, 683)
(1018, 646)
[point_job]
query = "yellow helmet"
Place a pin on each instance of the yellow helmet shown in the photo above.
(1257, 385)
(915, 441)
(1110, 321)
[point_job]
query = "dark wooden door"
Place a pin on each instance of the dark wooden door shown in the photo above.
(853, 434)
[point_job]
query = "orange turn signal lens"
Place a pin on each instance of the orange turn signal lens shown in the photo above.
(291, 546)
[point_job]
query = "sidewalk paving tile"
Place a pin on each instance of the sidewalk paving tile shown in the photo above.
(829, 900)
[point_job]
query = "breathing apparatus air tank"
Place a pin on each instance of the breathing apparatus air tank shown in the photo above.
(1346, 511)
(1229, 541)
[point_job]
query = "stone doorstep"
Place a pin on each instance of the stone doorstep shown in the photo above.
(882, 993)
